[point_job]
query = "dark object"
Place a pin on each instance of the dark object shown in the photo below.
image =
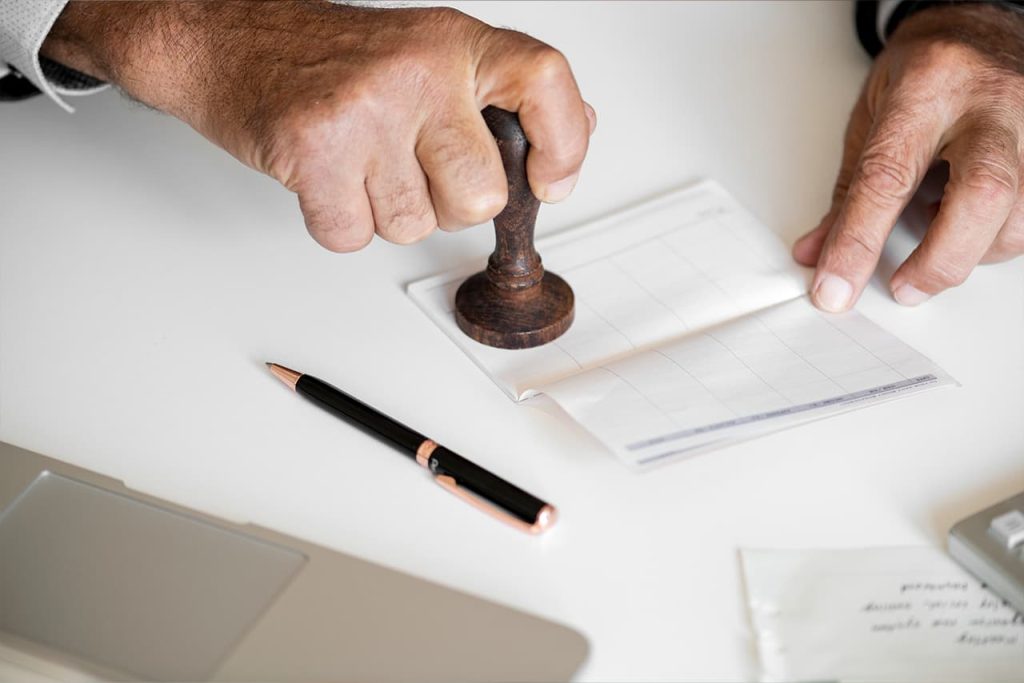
(15, 87)
(866, 17)
(459, 476)
(514, 303)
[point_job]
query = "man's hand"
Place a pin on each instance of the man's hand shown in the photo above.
(949, 87)
(372, 116)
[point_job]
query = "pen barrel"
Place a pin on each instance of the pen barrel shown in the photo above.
(357, 413)
(496, 490)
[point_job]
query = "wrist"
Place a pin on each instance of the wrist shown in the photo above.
(148, 49)
(74, 41)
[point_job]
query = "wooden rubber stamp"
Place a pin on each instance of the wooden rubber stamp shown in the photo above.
(514, 303)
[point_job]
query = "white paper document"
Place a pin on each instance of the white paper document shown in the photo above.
(898, 615)
(692, 330)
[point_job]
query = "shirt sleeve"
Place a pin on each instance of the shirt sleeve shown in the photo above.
(24, 25)
(877, 19)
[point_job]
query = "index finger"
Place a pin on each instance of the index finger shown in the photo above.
(984, 177)
(521, 74)
(898, 151)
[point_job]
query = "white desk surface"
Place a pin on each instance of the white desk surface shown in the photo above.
(145, 276)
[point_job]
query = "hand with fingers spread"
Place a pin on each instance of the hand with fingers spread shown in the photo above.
(372, 116)
(948, 87)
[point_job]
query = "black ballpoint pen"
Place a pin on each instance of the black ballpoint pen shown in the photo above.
(459, 476)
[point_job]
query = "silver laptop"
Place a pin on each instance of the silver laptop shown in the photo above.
(98, 582)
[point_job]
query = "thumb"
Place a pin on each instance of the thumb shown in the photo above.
(521, 74)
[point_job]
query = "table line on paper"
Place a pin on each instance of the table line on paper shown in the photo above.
(694, 378)
(639, 393)
(771, 387)
(858, 343)
(703, 215)
(675, 227)
(845, 399)
(799, 355)
(742, 237)
(609, 323)
(654, 297)
(708, 277)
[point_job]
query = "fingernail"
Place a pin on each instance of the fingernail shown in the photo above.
(833, 293)
(591, 117)
(560, 189)
(909, 295)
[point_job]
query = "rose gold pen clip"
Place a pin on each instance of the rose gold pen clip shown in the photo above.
(545, 517)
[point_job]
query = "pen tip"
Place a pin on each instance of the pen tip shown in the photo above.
(269, 364)
(286, 375)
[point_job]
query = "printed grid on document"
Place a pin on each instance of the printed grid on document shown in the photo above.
(695, 276)
(782, 362)
(648, 293)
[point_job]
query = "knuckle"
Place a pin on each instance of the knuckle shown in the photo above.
(992, 179)
(884, 177)
(945, 272)
(454, 146)
(336, 229)
(548, 65)
(406, 215)
(467, 178)
(857, 244)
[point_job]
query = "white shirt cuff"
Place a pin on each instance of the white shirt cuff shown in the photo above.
(24, 25)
